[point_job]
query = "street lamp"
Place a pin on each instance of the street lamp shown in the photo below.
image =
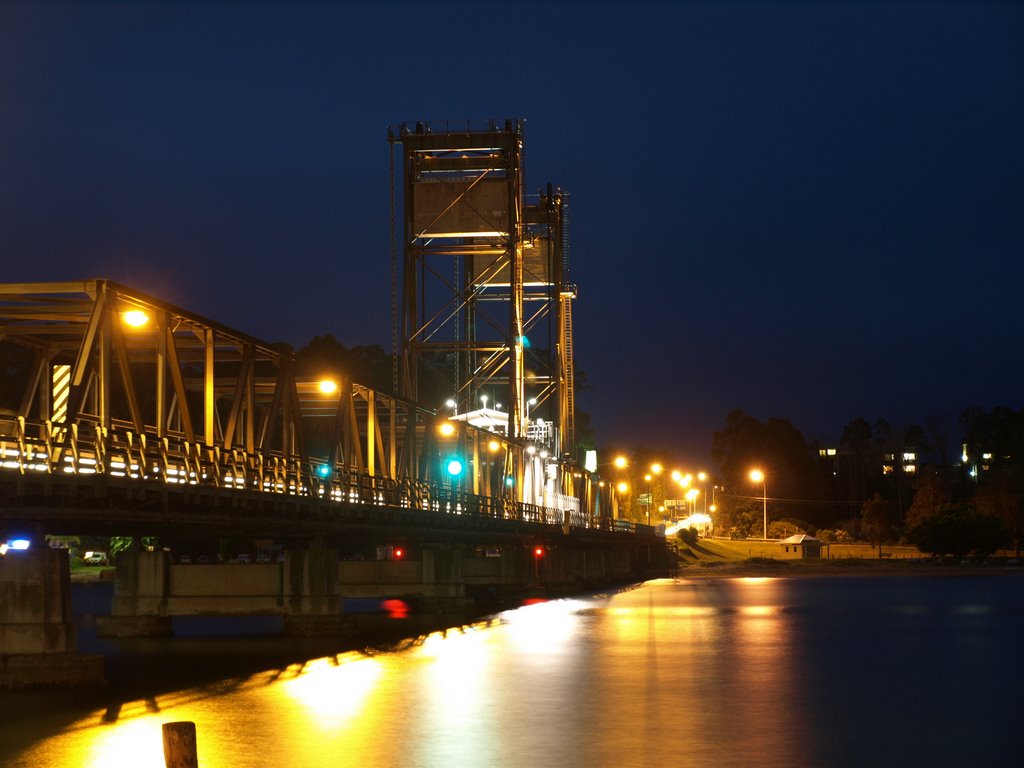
(622, 489)
(647, 477)
(691, 496)
(703, 477)
(136, 318)
(757, 476)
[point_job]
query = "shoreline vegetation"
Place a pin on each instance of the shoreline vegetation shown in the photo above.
(757, 558)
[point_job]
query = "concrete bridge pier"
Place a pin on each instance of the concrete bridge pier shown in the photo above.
(310, 593)
(141, 586)
(149, 591)
(443, 581)
(567, 567)
(37, 636)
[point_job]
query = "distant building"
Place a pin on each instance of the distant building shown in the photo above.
(800, 546)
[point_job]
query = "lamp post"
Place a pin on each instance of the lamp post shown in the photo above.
(622, 488)
(647, 477)
(703, 477)
(757, 476)
(691, 496)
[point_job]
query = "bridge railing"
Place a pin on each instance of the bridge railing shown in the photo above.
(83, 448)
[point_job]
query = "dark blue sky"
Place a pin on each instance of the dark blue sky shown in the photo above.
(809, 211)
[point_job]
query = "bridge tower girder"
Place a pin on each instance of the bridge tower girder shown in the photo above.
(484, 303)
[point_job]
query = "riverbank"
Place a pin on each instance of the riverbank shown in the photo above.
(768, 568)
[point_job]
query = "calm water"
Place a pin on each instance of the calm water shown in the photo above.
(741, 672)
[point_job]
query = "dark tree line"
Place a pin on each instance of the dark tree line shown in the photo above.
(880, 483)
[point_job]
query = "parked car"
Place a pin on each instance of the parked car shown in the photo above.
(95, 558)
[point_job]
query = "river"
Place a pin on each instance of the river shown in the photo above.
(816, 672)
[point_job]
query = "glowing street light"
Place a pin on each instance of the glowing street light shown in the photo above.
(327, 387)
(757, 476)
(136, 318)
(650, 498)
(691, 496)
(621, 462)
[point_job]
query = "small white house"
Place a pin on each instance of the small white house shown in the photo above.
(800, 546)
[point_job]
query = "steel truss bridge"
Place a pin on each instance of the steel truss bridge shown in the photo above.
(122, 413)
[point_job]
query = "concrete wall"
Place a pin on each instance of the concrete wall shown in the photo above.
(35, 602)
(37, 638)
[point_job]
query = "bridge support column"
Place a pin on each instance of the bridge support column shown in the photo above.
(518, 568)
(37, 637)
(311, 595)
(139, 609)
(444, 586)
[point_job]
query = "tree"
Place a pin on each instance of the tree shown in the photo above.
(781, 529)
(959, 530)
(994, 444)
(999, 496)
(857, 442)
(932, 492)
(777, 448)
(15, 367)
(876, 521)
(325, 356)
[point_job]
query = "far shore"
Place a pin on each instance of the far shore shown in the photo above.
(763, 567)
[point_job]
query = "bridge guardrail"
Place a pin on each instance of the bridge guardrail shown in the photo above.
(29, 446)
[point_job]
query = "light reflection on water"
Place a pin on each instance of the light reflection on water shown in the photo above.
(740, 672)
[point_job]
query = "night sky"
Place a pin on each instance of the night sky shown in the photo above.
(807, 211)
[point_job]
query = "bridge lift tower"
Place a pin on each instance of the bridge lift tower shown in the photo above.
(485, 308)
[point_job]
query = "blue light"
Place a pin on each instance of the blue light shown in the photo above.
(509, 482)
(454, 466)
(323, 471)
(19, 543)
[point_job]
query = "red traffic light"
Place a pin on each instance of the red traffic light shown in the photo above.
(399, 553)
(538, 551)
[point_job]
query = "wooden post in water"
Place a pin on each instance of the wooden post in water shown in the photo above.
(180, 745)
